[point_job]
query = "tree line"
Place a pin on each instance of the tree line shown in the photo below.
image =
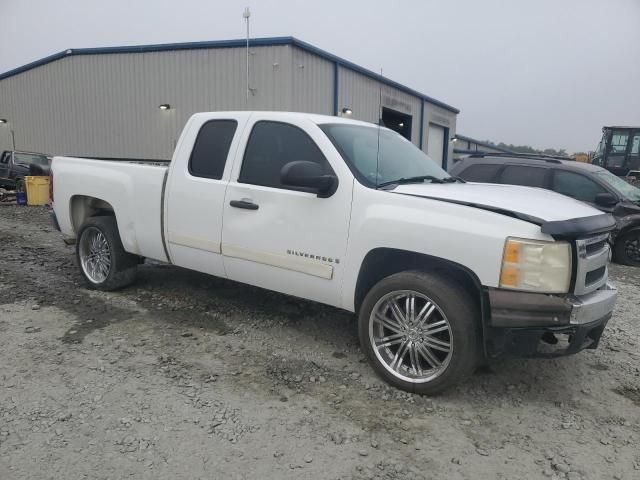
(528, 149)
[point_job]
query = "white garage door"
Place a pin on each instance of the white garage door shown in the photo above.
(435, 143)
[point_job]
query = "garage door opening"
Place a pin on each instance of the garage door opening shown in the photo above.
(437, 144)
(397, 121)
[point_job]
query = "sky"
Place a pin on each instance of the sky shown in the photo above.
(545, 73)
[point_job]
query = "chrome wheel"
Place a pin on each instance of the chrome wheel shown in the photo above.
(95, 255)
(411, 336)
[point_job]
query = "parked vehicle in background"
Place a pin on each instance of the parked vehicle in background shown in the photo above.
(619, 150)
(582, 181)
(16, 165)
(441, 273)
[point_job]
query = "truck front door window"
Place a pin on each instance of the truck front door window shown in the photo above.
(211, 149)
(270, 147)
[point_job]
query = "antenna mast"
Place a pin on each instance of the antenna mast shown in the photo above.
(246, 14)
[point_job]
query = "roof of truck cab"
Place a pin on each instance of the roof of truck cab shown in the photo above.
(277, 114)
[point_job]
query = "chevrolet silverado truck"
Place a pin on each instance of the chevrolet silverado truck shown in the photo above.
(441, 273)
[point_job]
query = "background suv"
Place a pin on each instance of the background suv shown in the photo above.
(582, 181)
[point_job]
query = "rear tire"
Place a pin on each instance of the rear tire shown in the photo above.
(101, 257)
(626, 249)
(420, 332)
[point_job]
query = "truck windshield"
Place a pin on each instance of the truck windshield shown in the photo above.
(398, 157)
(30, 159)
(621, 186)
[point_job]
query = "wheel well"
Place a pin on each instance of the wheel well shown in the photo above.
(83, 207)
(382, 262)
(626, 230)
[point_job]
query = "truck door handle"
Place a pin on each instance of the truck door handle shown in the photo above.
(249, 205)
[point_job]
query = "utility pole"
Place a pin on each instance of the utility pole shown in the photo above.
(246, 15)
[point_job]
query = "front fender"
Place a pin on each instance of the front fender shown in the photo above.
(625, 224)
(470, 237)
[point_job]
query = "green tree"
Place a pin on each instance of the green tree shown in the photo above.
(528, 149)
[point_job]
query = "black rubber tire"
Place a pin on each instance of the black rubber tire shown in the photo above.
(123, 264)
(619, 249)
(463, 316)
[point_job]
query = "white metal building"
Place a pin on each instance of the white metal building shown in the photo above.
(104, 102)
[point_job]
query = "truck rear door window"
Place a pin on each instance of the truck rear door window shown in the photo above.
(481, 173)
(270, 147)
(525, 176)
(211, 149)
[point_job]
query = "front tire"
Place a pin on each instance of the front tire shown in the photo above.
(101, 257)
(420, 332)
(626, 249)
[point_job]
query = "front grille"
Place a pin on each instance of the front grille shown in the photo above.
(592, 259)
(595, 247)
(595, 275)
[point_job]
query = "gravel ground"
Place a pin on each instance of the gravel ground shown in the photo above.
(188, 376)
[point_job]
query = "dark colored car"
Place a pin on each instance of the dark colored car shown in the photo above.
(582, 181)
(17, 165)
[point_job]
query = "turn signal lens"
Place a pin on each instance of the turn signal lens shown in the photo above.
(509, 277)
(536, 266)
(512, 252)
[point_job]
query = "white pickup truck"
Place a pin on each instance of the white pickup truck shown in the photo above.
(442, 274)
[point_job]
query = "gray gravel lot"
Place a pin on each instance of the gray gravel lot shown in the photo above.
(188, 376)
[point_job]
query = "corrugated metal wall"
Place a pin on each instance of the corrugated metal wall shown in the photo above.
(106, 105)
(362, 95)
(312, 78)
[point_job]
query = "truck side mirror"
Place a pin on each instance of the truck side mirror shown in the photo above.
(309, 175)
(606, 200)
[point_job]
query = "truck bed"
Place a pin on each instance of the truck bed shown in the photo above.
(133, 189)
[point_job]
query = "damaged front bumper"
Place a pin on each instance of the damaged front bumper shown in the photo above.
(540, 325)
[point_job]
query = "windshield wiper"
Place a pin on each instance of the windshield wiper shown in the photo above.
(453, 180)
(420, 178)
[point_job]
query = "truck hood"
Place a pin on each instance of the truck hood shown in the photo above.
(557, 214)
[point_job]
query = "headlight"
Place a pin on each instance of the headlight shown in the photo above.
(536, 266)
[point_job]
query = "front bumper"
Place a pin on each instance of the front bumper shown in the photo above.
(539, 325)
